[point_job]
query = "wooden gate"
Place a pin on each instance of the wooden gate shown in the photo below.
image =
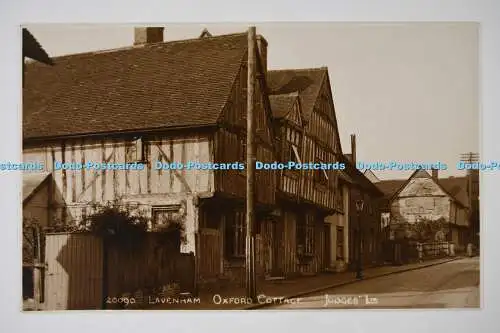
(73, 272)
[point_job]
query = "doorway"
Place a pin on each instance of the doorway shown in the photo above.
(327, 252)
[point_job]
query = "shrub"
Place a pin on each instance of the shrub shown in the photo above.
(117, 224)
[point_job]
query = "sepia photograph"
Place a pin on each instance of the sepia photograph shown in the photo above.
(267, 166)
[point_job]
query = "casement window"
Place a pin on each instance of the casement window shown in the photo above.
(305, 235)
(235, 234)
(162, 216)
(320, 175)
(340, 243)
(291, 149)
(136, 150)
(340, 198)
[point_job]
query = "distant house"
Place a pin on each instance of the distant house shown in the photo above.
(425, 197)
(36, 188)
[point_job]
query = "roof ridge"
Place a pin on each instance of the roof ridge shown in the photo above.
(141, 46)
(290, 94)
(322, 68)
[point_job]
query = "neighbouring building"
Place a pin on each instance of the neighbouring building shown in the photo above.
(339, 226)
(426, 198)
(365, 233)
(33, 50)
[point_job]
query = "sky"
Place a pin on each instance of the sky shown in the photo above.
(409, 91)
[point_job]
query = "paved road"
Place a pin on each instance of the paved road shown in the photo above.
(450, 285)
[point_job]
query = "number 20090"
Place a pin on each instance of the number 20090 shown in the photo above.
(120, 300)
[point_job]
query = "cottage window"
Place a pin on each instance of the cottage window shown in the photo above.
(291, 151)
(340, 243)
(164, 216)
(305, 235)
(136, 150)
(235, 234)
(320, 175)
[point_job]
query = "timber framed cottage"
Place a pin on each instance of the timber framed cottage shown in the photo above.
(306, 131)
(168, 102)
(154, 102)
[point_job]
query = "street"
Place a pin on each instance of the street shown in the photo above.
(450, 285)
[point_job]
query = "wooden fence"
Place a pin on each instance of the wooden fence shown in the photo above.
(434, 249)
(83, 273)
(403, 251)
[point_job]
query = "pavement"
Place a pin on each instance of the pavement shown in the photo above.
(283, 292)
(451, 285)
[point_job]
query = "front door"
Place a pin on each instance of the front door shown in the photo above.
(327, 246)
(271, 236)
(276, 244)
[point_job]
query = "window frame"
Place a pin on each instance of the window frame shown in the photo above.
(173, 209)
(341, 244)
(138, 149)
(235, 235)
(305, 229)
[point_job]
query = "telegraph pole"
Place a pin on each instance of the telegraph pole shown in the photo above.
(469, 158)
(250, 217)
(472, 200)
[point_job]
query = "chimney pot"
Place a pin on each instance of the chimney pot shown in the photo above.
(353, 148)
(148, 35)
(262, 49)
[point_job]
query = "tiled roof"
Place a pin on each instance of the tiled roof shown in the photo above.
(307, 82)
(281, 105)
(163, 85)
(389, 187)
(455, 186)
(31, 182)
(357, 177)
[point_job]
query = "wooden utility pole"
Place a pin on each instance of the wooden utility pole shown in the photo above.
(250, 216)
(471, 158)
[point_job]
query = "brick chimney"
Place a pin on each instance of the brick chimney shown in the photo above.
(435, 174)
(262, 47)
(353, 149)
(148, 35)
